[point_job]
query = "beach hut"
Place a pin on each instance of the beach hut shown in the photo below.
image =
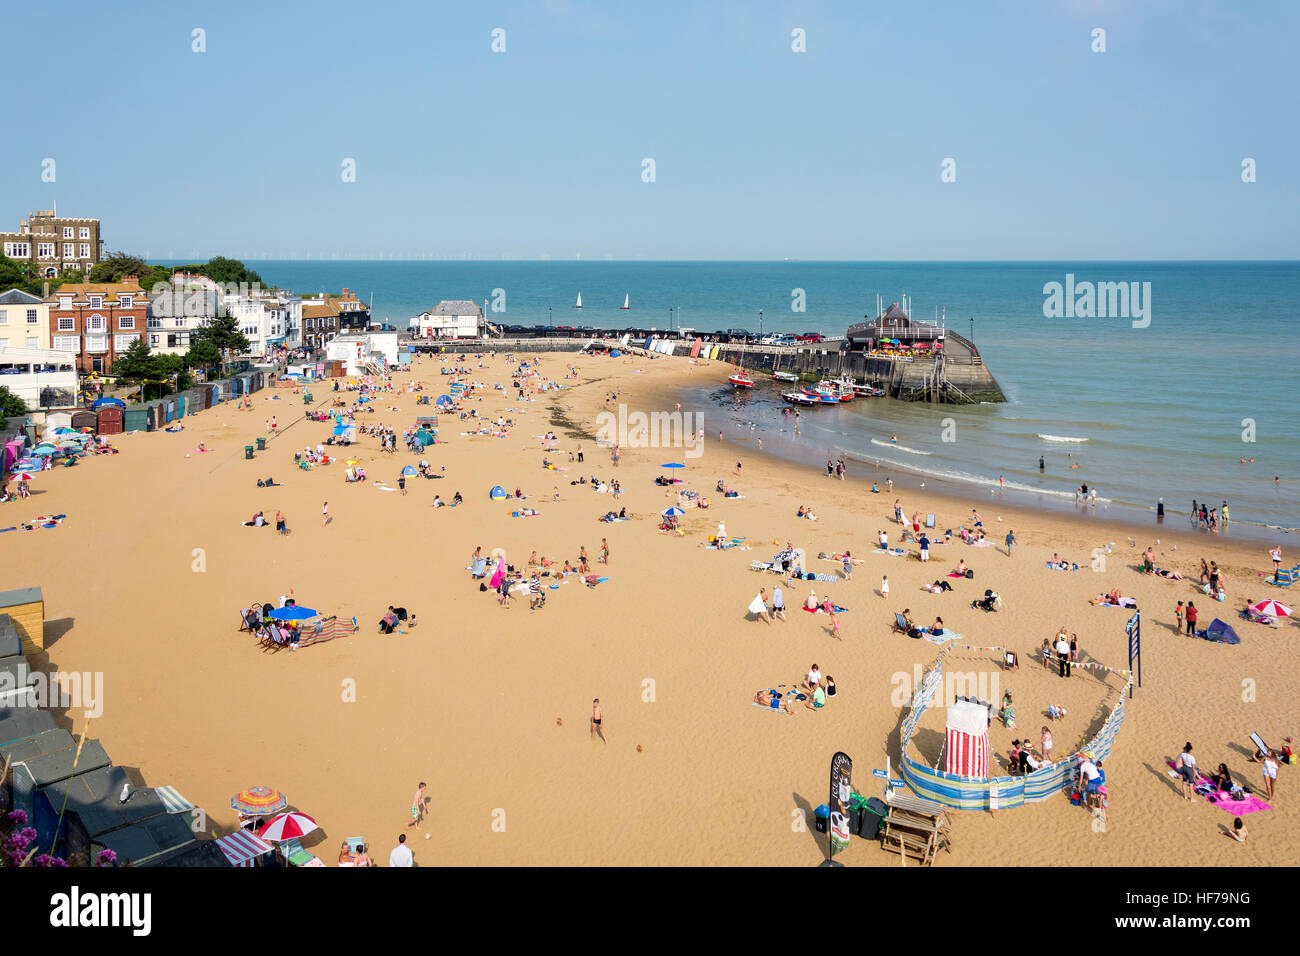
(51, 756)
(967, 744)
(498, 494)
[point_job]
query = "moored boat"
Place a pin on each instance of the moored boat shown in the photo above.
(741, 379)
(799, 398)
(785, 376)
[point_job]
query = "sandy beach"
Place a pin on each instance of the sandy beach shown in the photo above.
(145, 580)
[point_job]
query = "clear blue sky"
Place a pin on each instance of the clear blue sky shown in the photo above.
(760, 152)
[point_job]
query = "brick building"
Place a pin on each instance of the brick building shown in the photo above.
(53, 243)
(98, 320)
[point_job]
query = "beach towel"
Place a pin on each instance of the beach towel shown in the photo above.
(831, 578)
(818, 610)
(1063, 566)
(1234, 803)
(980, 544)
(944, 637)
(954, 574)
(896, 552)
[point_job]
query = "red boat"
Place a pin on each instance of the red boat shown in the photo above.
(741, 380)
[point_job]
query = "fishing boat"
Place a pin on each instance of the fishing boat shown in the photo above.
(785, 376)
(874, 391)
(820, 393)
(579, 302)
(626, 302)
(799, 398)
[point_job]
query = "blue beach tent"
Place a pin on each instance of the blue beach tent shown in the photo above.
(498, 494)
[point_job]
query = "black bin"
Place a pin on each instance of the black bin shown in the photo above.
(873, 816)
(261, 444)
(248, 451)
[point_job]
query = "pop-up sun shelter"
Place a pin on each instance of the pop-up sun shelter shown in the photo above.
(498, 494)
(1221, 633)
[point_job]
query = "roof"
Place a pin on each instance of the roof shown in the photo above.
(317, 311)
(456, 307)
(142, 842)
(19, 297)
(109, 290)
(96, 797)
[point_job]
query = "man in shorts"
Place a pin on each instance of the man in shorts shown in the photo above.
(597, 721)
(417, 806)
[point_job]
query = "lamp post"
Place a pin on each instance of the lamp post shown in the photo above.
(670, 318)
(550, 318)
(972, 328)
(760, 325)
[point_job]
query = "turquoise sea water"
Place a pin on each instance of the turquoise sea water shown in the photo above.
(1150, 412)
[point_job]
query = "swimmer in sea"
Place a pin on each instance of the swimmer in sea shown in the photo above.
(894, 439)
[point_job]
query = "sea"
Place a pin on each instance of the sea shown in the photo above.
(1162, 402)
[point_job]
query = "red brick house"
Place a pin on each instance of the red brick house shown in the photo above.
(97, 320)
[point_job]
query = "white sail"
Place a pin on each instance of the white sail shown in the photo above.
(626, 299)
(579, 304)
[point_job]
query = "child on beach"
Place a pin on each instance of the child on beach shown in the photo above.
(884, 587)
(1178, 618)
(835, 626)
(1238, 830)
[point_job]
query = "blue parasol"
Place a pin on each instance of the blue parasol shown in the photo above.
(292, 613)
(672, 464)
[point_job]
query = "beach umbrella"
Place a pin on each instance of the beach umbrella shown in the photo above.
(1271, 609)
(672, 512)
(64, 430)
(287, 826)
(22, 476)
(292, 613)
(27, 464)
(672, 464)
(340, 429)
(259, 801)
(409, 470)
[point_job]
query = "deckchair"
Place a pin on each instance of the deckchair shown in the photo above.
(900, 625)
(250, 619)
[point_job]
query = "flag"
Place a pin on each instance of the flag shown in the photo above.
(841, 788)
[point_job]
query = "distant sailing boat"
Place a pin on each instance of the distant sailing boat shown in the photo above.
(579, 305)
(626, 300)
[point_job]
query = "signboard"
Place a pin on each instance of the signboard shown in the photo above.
(841, 788)
(880, 773)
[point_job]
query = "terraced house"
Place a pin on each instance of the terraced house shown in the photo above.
(97, 320)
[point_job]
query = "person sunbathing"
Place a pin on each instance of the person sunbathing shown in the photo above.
(961, 568)
(768, 698)
(346, 856)
(1169, 573)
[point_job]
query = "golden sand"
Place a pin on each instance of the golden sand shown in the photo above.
(490, 705)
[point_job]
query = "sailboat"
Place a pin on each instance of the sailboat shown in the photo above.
(579, 303)
(626, 300)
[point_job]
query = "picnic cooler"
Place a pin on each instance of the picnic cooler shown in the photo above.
(967, 746)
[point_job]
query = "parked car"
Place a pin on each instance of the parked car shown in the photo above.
(810, 337)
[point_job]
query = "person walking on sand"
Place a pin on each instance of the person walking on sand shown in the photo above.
(835, 625)
(401, 484)
(1276, 555)
(1178, 618)
(417, 805)
(604, 551)
(1045, 744)
(401, 855)
(1185, 765)
(1192, 614)
(898, 510)
(597, 721)
(847, 566)
(778, 603)
(324, 514)
(884, 587)
(1063, 653)
(1011, 540)
(1270, 772)
(579, 454)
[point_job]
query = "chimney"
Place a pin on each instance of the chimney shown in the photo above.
(345, 292)
(45, 289)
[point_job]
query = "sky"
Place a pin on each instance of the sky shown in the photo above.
(759, 151)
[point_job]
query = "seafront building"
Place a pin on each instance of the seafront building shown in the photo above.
(325, 316)
(269, 318)
(178, 311)
(97, 321)
(24, 320)
(54, 243)
(41, 377)
(452, 319)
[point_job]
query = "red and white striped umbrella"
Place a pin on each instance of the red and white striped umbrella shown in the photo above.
(287, 826)
(23, 476)
(1271, 609)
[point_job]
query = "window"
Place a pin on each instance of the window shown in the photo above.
(65, 302)
(153, 340)
(96, 343)
(123, 342)
(67, 232)
(95, 323)
(18, 250)
(126, 301)
(85, 250)
(67, 323)
(180, 322)
(45, 250)
(4, 317)
(31, 316)
(84, 233)
(67, 343)
(96, 301)
(33, 342)
(69, 250)
(126, 321)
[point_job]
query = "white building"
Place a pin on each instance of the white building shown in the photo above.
(43, 378)
(180, 309)
(368, 354)
(269, 318)
(452, 319)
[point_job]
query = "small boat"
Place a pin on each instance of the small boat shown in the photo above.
(873, 391)
(741, 379)
(785, 376)
(799, 398)
(843, 388)
(816, 393)
(626, 300)
(579, 304)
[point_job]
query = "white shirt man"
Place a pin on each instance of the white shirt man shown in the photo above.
(401, 855)
(814, 677)
(1088, 771)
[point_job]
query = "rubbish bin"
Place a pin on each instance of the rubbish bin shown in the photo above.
(874, 812)
(822, 818)
(248, 451)
(261, 444)
(306, 398)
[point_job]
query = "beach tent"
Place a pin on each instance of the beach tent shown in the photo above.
(409, 470)
(967, 745)
(443, 400)
(425, 436)
(498, 494)
(1221, 633)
